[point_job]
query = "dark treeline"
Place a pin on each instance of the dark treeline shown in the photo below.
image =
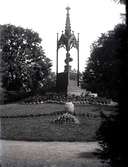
(112, 134)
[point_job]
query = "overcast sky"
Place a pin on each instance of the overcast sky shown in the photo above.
(90, 18)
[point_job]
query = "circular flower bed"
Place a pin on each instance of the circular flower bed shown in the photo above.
(66, 118)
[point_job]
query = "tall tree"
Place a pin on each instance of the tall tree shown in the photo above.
(112, 133)
(24, 63)
(125, 2)
(102, 74)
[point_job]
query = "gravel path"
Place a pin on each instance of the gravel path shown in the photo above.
(48, 154)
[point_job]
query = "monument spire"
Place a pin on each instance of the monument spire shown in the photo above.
(68, 24)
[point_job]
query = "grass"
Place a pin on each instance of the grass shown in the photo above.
(34, 122)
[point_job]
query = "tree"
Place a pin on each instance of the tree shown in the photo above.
(50, 84)
(24, 64)
(2, 90)
(112, 132)
(102, 74)
(125, 2)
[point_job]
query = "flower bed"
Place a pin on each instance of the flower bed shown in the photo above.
(66, 118)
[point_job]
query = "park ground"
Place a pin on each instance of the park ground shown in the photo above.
(31, 139)
(36, 122)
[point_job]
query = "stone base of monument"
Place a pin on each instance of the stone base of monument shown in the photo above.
(67, 84)
(69, 107)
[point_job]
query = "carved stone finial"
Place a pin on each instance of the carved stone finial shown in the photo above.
(68, 8)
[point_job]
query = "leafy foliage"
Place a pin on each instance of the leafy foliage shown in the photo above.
(112, 132)
(25, 66)
(102, 74)
(121, 1)
(108, 137)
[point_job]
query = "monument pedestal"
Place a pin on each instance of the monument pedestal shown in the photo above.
(66, 83)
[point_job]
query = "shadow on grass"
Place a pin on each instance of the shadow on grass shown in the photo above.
(88, 155)
(95, 155)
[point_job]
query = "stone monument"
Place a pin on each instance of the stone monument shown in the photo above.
(67, 82)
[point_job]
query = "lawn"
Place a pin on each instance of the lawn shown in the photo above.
(34, 122)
